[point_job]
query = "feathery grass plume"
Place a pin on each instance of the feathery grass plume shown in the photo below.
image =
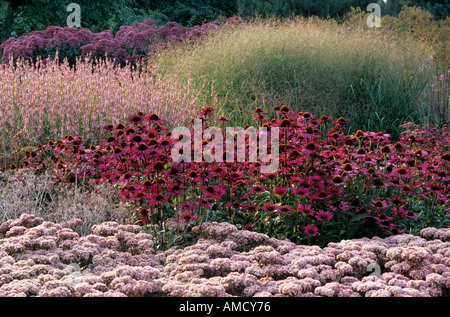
(51, 101)
(316, 65)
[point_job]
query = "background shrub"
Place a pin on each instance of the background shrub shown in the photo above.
(128, 45)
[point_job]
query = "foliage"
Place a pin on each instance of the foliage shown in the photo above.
(193, 12)
(323, 8)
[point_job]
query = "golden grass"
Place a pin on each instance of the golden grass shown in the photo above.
(311, 64)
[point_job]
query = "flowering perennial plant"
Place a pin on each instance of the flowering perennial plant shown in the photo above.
(44, 102)
(329, 186)
(45, 259)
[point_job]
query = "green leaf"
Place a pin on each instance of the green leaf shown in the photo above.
(359, 217)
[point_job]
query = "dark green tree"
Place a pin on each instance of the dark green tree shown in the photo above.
(19, 17)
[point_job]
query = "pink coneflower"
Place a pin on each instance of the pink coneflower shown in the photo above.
(284, 209)
(204, 203)
(324, 215)
(187, 206)
(257, 189)
(400, 212)
(341, 206)
(137, 118)
(138, 195)
(269, 207)
(176, 189)
(143, 215)
(158, 198)
(393, 229)
(250, 207)
(127, 177)
(306, 210)
(321, 195)
(222, 119)
(383, 220)
(188, 216)
(249, 226)
(215, 192)
(310, 147)
(300, 191)
(311, 230)
(153, 118)
(396, 200)
(280, 190)
(379, 203)
(434, 187)
(236, 175)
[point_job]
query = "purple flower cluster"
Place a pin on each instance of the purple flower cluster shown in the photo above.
(128, 45)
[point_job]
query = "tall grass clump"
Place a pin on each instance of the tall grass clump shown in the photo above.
(50, 100)
(370, 76)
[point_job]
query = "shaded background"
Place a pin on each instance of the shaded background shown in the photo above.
(19, 17)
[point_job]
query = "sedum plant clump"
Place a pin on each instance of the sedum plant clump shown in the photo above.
(45, 259)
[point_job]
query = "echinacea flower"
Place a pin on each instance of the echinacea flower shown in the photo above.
(323, 215)
(310, 147)
(311, 230)
(158, 166)
(269, 207)
(300, 191)
(379, 203)
(445, 157)
(127, 177)
(176, 189)
(250, 207)
(383, 220)
(284, 209)
(280, 190)
(138, 195)
(257, 189)
(222, 119)
(143, 215)
(204, 203)
(215, 192)
(306, 210)
(188, 216)
(136, 119)
(154, 119)
(249, 226)
(187, 206)
(337, 179)
(154, 199)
